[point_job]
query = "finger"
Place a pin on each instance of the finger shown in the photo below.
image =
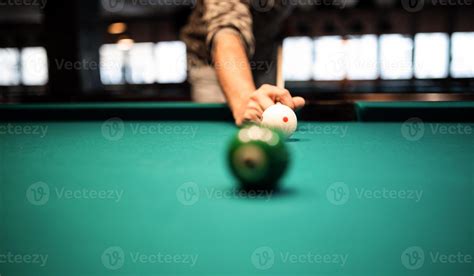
(298, 102)
(255, 106)
(252, 116)
(283, 96)
(239, 122)
(264, 101)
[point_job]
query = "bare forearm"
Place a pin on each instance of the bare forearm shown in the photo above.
(233, 69)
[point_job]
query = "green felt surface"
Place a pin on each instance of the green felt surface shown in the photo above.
(178, 200)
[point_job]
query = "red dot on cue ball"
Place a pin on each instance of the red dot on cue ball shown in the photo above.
(285, 119)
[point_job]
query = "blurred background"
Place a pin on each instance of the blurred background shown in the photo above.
(129, 50)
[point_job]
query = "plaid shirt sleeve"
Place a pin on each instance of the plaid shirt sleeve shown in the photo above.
(211, 16)
(235, 14)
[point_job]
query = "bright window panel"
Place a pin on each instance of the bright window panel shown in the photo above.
(431, 55)
(298, 58)
(396, 54)
(34, 66)
(9, 72)
(142, 66)
(329, 58)
(171, 66)
(462, 64)
(111, 64)
(361, 58)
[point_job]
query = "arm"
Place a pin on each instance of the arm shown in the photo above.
(231, 43)
(233, 70)
(235, 77)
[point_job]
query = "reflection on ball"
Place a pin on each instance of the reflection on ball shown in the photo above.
(258, 157)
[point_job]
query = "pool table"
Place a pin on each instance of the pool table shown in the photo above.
(144, 189)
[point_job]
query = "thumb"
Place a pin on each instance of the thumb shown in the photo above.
(299, 102)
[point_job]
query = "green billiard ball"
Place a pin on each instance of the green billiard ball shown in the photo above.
(258, 157)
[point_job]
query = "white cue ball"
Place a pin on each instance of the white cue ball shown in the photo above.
(280, 117)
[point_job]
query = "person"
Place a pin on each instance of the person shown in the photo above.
(232, 48)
